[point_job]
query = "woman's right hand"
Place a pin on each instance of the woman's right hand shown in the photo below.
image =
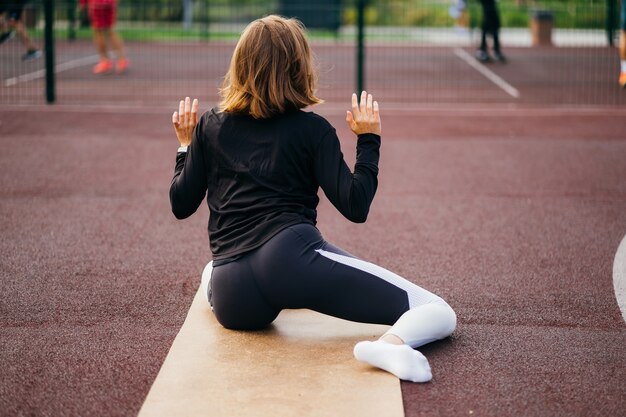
(364, 117)
(185, 120)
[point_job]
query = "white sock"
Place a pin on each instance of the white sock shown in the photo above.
(623, 65)
(206, 277)
(401, 360)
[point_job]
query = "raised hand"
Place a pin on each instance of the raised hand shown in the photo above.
(185, 120)
(364, 117)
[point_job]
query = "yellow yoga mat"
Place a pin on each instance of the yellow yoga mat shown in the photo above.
(301, 366)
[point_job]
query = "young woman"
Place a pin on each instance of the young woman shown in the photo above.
(260, 160)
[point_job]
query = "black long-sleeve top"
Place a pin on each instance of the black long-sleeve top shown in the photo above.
(262, 175)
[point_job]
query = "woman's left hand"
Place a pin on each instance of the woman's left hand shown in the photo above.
(185, 120)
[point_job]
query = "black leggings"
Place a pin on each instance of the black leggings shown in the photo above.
(490, 24)
(298, 269)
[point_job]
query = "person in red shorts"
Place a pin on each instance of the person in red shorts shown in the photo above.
(102, 16)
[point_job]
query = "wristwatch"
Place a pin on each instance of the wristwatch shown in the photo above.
(182, 148)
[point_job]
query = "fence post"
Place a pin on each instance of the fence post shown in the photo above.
(207, 18)
(71, 20)
(49, 46)
(360, 54)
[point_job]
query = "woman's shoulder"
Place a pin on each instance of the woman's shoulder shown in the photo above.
(314, 121)
(213, 115)
(309, 120)
(211, 121)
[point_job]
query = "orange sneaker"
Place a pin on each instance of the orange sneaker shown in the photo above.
(103, 67)
(122, 65)
(622, 79)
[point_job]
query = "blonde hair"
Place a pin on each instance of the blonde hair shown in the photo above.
(271, 70)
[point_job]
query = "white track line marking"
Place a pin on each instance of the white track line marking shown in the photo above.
(490, 75)
(619, 276)
(75, 63)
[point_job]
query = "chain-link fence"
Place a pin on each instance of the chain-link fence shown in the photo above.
(416, 52)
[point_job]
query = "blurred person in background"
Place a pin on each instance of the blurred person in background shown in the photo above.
(102, 14)
(458, 12)
(622, 46)
(11, 21)
(490, 26)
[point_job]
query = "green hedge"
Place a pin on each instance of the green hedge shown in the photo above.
(587, 14)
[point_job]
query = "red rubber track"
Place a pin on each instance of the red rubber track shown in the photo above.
(512, 216)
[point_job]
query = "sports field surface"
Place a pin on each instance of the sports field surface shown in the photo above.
(512, 209)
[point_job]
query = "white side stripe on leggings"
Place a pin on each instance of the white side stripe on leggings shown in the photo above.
(417, 295)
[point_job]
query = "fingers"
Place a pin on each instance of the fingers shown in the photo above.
(377, 117)
(187, 112)
(363, 101)
(181, 110)
(363, 106)
(349, 119)
(194, 112)
(187, 109)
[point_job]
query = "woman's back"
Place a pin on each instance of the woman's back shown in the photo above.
(262, 175)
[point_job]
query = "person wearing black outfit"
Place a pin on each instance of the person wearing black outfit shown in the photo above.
(490, 26)
(259, 160)
(622, 46)
(11, 22)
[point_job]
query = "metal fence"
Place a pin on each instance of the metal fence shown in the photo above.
(416, 52)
